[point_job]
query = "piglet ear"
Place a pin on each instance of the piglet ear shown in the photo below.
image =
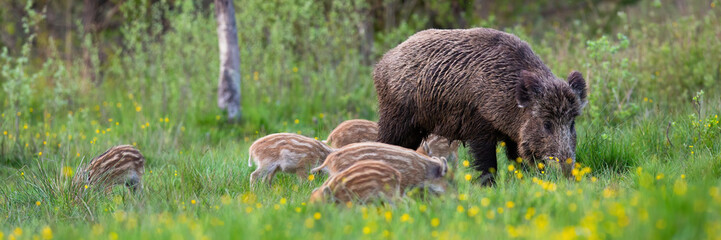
(527, 89)
(578, 85)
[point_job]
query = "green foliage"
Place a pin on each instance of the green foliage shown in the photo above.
(611, 80)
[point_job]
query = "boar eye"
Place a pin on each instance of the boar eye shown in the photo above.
(547, 125)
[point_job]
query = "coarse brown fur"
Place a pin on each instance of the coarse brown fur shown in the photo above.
(286, 152)
(360, 130)
(414, 167)
(122, 164)
(364, 181)
(480, 86)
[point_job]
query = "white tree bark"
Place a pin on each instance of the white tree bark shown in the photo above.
(229, 78)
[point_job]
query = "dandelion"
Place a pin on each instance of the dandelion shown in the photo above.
(317, 216)
(167, 120)
(511, 168)
(519, 160)
(296, 121)
(608, 193)
(86, 186)
(283, 201)
(680, 187)
(466, 163)
(541, 166)
(25, 126)
(492, 170)
(462, 197)
(192, 201)
(40, 153)
(405, 217)
(295, 69)
(67, 171)
(485, 202)
(366, 230)
(18, 231)
(435, 222)
(138, 108)
(321, 115)
(659, 176)
(594, 179)
(460, 209)
(500, 210)
(217, 117)
(530, 212)
(113, 236)
(503, 144)
(490, 214)
(473, 211)
(5, 132)
(683, 176)
(422, 208)
(37, 203)
(468, 177)
(510, 204)
(47, 233)
(311, 177)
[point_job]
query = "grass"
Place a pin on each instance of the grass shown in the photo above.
(653, 160)
(196, 186)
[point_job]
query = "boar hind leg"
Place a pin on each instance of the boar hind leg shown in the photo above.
(484, 153)
(400, 131)
(270, 173)
(255, 176)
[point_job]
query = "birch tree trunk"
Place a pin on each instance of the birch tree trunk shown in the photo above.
(229, 78)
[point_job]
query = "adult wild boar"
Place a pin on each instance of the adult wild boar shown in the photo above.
(480, 86)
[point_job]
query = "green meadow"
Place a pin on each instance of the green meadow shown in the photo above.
(649, 141)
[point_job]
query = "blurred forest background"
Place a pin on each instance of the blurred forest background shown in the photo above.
(66, 62)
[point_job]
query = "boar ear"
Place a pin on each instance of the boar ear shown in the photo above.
(426, 148)
(445, 166)
(527, 88)
(455, 144)
(578, 85)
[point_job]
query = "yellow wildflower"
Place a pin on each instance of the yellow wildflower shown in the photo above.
(47, 233)
(435, 222)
